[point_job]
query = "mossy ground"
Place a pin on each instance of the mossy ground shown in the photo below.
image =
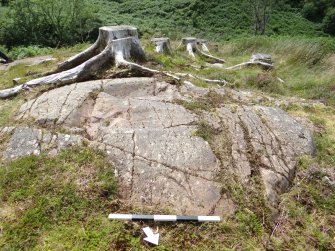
(43, 207)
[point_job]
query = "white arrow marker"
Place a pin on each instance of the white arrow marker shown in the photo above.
(151, 237)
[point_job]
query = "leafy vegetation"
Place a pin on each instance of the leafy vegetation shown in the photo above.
(47, 22)
(220, 20)
(55, 23)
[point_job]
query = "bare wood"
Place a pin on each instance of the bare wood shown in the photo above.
(192, 48)
(116, 49)
(106, 34)
(190, 43)
(216, 81)
(216, 59)
(162, 45)
(11, 91)
(204, 44)
(250, 63)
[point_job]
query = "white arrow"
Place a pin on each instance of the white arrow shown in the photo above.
(151, 237)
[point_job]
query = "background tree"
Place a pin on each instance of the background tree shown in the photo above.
(329, 21)
(321, 11)
(261, 10)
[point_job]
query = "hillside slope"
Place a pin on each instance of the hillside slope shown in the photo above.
(217, 19)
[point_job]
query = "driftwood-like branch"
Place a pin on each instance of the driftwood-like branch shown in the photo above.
(214, 81)
(263, 65)
(207, 55)
(114, 46)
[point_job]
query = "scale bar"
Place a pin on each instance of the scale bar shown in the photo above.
(167, 218)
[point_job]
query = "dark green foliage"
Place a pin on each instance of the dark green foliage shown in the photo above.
(205, 131)
(249, 222)
(54, 23)
(329, 21)
(321, 11)
(215, 20)
(48, 22)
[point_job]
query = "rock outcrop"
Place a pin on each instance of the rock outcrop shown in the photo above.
(151, 140)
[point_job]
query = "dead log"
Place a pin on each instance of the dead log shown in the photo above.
(162, 45)
(213, 81)
(262, 60)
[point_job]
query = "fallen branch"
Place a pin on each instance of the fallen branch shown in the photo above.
(265, 66)
(216, 81)
(216, 59)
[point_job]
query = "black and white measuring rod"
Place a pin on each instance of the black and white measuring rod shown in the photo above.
(139, 217)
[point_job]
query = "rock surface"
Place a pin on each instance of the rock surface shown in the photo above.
(26, 141)
(151, 140)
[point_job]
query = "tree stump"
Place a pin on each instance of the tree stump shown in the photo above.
(190, 43)
(162, 45)
(115, 45)
(192, 47)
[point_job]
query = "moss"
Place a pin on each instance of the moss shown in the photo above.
(208, 102)
(205, 131)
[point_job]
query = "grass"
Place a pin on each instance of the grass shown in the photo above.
(56, 203)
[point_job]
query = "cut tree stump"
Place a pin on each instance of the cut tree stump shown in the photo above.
(115, 45)
(162, 45)
(190, 43)
(192, 47)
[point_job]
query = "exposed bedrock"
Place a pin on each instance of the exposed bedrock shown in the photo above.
(151, 141)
